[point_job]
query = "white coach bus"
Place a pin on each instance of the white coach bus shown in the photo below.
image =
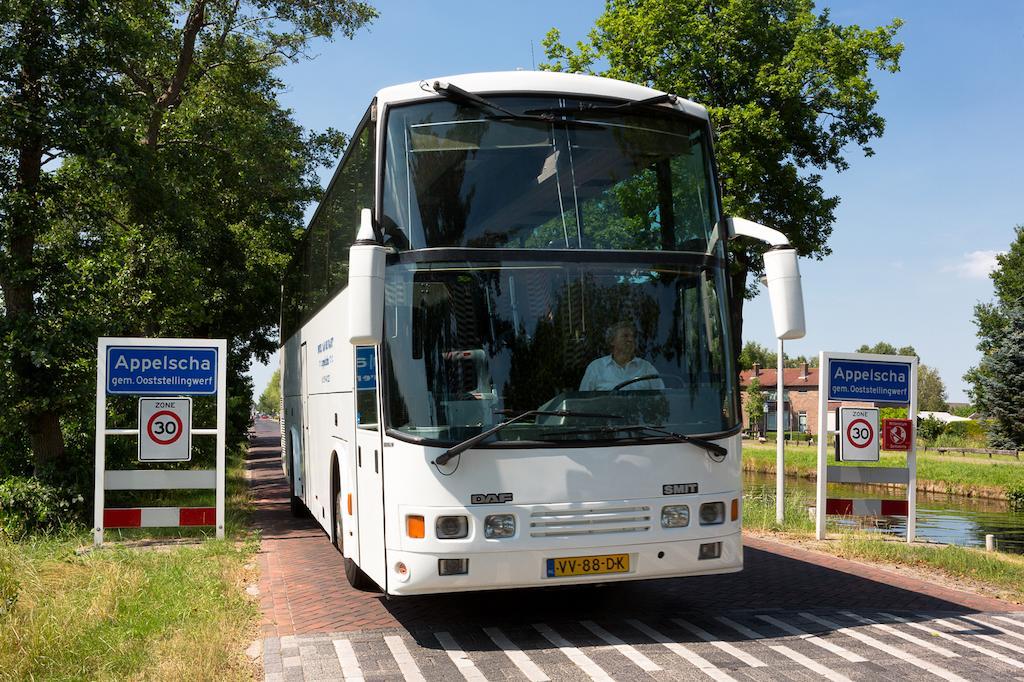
(507, 349)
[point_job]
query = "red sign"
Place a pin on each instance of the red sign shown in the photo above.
(896, 434)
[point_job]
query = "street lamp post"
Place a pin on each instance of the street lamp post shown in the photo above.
(780, 459)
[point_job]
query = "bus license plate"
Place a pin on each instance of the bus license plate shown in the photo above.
(588, 565)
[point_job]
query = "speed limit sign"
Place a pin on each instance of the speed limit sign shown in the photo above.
(165, 429)
(858, 434)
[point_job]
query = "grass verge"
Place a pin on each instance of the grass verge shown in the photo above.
(972, 477)
(164, 611)
(994, 573)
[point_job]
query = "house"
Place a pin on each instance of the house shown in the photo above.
(800, 398)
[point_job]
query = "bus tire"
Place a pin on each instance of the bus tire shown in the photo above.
(353, 574)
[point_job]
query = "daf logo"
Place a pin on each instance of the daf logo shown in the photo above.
(490, 498)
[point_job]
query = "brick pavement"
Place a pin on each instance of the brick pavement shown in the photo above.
(303, 587)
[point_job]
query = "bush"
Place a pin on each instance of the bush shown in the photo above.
(1015, 496)
(930, 429)
(27, 506)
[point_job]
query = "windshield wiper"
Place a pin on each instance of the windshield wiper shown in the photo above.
(484, 435)
(457, 94)
(712, 448)
(587, 107)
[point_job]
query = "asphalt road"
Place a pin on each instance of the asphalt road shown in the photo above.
(790, 615)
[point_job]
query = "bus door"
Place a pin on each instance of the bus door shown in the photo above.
(369, 466)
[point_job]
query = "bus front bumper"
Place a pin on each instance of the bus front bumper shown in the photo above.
(530, 568)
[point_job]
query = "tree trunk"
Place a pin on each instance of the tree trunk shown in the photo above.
(18, 277)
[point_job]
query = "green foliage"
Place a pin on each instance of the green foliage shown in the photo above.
(270, 400)
(930, 428)
(999, 325)
(931, 391)
(174, 207)
(788, 91)
(28, 505)
(1015, 496)
(999, 387)
(963, 410)
(892, 413)
(755, 403)
(950, 440)
(754, 352)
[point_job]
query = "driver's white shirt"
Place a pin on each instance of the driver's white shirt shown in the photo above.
(604, 374)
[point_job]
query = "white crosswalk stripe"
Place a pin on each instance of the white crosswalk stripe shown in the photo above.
(582, 661)
(1011, 621)
(1001, 630)
(460, 658)
(347, 658)
(410, 671)
(957, 640)
(810, 664)
(517, 656)
(626, 650)
(979, 635)
(718, 643)
(814, 639)
(941, 651)
(742, 629)
(882, 646)
(678, 649)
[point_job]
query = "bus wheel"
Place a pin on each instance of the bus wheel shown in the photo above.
(355, 576)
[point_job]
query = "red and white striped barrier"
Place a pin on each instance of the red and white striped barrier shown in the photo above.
(159, 517)
(846, 507)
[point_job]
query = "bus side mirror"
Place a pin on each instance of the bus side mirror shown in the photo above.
(365, 293)
(785, 292)
(781, 273)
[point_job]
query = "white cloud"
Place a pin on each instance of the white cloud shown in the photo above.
(975, 264)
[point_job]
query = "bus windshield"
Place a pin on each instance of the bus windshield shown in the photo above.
(628, 343)
(460, 175)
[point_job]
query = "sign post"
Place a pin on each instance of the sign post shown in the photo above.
(865, 377)
(153, 368)
(780, 445)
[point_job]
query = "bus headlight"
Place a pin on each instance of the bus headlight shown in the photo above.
(675, 516)
(712, 513)
(500, 526)
(451, 527)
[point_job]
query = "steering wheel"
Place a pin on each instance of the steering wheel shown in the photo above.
(646, 377)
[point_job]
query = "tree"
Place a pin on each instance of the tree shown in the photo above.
(755, 404)
(754, 352)
(178, 195)
(931, 390)
(999, 325)
(788, 91)
(270, 400)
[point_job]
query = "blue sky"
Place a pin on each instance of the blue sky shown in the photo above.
(919, 222)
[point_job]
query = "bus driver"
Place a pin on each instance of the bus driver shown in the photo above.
(621, 364)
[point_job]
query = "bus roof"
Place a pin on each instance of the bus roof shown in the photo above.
(532, 82)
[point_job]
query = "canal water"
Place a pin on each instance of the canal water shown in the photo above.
(950, 519)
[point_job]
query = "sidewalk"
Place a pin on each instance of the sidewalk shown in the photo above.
(303, 587)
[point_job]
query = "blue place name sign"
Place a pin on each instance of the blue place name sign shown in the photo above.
(869, 381)
(150, 370)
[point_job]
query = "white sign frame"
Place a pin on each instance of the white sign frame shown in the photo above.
(850, 451)
(824, 366)
(150, 447)
(155, 479)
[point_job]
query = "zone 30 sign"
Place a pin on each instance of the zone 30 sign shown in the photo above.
(165, 429)
(858, 434)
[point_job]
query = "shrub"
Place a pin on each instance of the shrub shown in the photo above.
(27, 505)
(1015, 495)
(930, 429)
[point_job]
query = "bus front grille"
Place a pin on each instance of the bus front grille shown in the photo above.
(589, 521)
